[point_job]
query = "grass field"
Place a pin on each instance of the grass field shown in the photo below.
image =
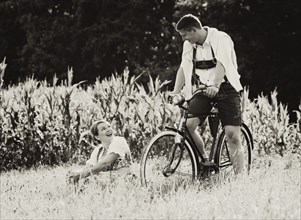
(271, 191)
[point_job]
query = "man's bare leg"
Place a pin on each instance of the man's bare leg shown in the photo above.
(235, 148)
(192, 124)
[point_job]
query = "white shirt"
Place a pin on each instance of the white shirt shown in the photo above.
(223, 48)
(118, 146)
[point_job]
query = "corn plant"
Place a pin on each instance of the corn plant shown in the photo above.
(269, 121)
(134, 112)
(41, 124)
(2, 70)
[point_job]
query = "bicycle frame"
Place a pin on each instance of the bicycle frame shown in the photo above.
(183, 131)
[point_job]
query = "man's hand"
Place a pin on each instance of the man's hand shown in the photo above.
(170, 95)
(211, 91)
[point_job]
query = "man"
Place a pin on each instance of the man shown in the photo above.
(209, 60)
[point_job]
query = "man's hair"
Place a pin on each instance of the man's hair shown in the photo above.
(187, 22)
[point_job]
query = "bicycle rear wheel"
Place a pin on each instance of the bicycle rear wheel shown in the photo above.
(162, 156)
(223, 156)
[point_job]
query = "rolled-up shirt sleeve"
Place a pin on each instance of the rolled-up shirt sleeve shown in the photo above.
(187, 66)
(186, 63)
(225, 54)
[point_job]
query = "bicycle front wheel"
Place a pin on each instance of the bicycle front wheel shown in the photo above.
(223, 153)
(165, 163)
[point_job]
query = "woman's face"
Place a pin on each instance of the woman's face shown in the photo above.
(105, 132)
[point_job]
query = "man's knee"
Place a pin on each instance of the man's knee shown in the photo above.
(233, 134)
(192, 124)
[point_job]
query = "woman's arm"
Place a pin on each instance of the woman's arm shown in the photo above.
(102, 165)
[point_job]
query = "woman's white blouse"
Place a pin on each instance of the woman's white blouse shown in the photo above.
(118, 146)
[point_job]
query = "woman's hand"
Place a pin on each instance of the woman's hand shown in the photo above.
(73, 177)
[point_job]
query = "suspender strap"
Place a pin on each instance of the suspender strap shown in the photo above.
(212, 63)
(195, 79)
(99, 151)
(212, 52)
(193, 60)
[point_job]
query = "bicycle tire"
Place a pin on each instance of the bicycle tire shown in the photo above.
(156, 156)
(222, 158)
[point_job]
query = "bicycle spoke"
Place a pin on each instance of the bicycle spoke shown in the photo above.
(183, 174)
(165, 162)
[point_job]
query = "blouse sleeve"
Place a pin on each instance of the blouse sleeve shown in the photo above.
(119, 146)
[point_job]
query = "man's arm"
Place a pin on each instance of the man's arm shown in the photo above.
(179, 81)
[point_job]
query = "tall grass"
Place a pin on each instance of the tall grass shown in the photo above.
(40, 124)
(271, 191)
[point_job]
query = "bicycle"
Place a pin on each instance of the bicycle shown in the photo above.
(172, 155)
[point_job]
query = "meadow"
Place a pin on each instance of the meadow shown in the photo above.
(271, 191)
(40, 125)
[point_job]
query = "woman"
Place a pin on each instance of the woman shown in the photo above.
(112, 154)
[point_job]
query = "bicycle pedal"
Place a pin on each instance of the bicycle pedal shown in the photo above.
(167, 171)
(209, 164)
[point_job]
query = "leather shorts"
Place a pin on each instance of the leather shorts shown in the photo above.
(228, 103)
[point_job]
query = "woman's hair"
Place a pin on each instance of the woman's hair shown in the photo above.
(88, 137)
(187, 22)
(93, 129)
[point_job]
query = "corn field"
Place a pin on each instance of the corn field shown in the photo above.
(41, 122)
